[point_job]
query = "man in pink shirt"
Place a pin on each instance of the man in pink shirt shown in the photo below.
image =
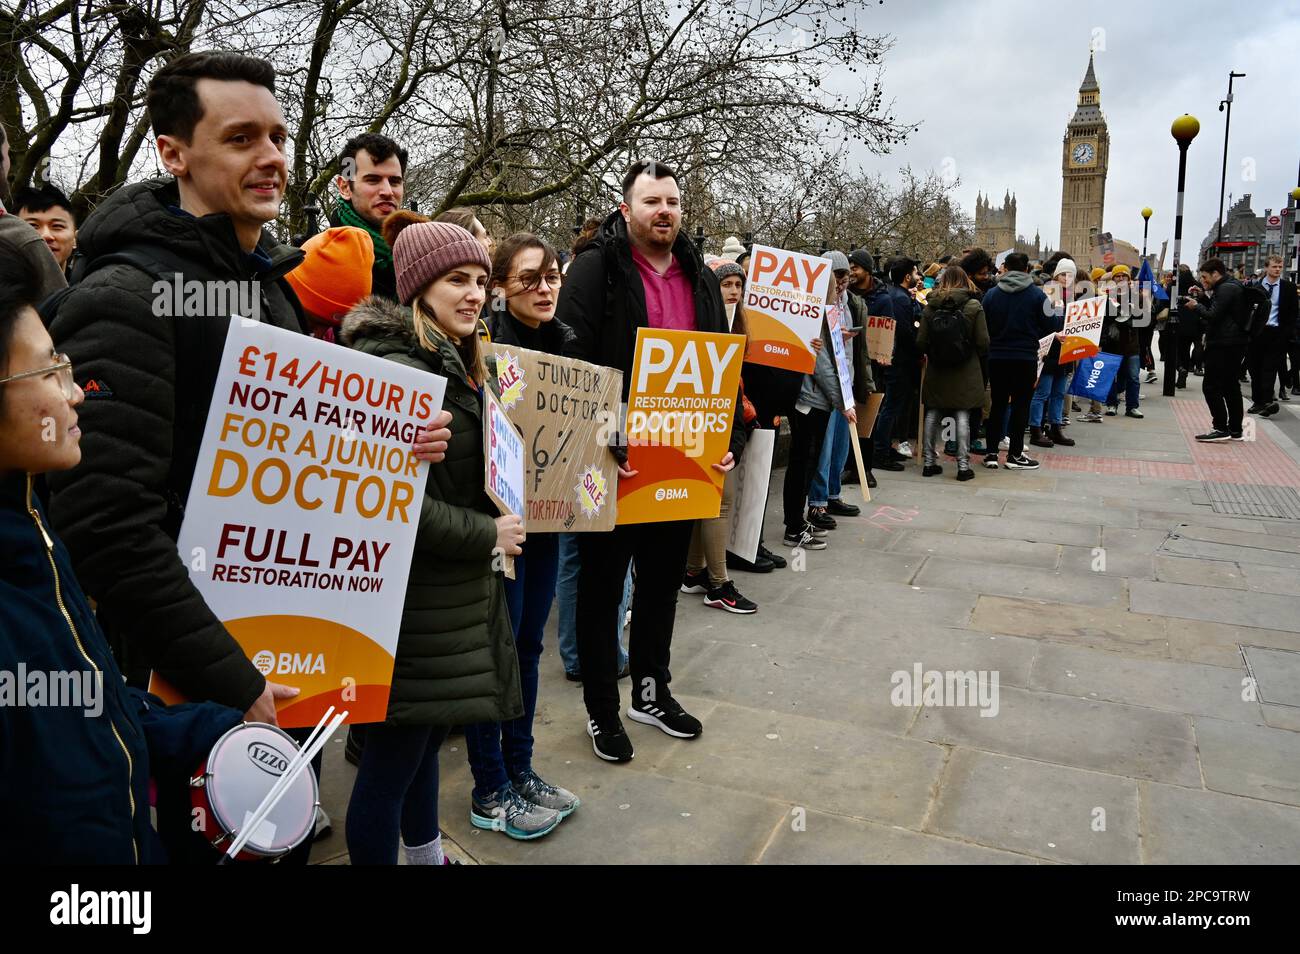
(639, 272)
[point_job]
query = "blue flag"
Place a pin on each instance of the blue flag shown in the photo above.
(1094, 376)
(1147, 277)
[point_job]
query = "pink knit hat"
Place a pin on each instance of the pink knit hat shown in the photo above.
(424, 250)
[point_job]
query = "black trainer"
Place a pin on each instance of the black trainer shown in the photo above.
(727, 597)
(609, 741)
(839, 508)
(696, 582)
(1270, 409)
(820, 519)
(1214, 437)
(776, 559)
(759, 565)
(666, 715)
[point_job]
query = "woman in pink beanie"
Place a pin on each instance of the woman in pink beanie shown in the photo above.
(455, 662)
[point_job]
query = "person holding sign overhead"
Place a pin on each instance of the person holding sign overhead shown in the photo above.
(455, 661)
(639, 272)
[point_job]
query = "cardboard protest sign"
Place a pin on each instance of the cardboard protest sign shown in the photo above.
(784, 296)
(880, 339)
(565, 410)
(1083, 320)
(749, 484)
(837, 320)
(868, 412)
(300, 523)
(679, 415)
(1044, 346)
(503, 465)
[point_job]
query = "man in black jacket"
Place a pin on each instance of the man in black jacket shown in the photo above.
(1269, 347)
(1223, 321)
(639, 272)
(371, 182)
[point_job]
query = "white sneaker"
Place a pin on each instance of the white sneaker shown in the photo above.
(1004, 444)
(905, 449)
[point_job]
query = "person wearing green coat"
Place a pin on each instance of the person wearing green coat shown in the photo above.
(455, 661)
(954, 337)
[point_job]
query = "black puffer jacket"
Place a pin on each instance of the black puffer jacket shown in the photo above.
(603, 301)
(120, 510)
(456, 662)
(1223, 319)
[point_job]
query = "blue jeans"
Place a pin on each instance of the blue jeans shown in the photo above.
(1129, 380)
(500, 751)
(396, 791)
(1049, 394)
(835, 454)
(566, 592)
(898, 388)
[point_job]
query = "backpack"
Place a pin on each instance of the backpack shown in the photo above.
(949, 343)
(1258, 307)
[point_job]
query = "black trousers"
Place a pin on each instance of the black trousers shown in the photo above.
(1222, 388)
(807, 431)
(1264, 354)
(658, 550)
(1011, 382)
(1288, 369)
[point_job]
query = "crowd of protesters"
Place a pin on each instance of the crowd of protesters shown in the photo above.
(104, 405)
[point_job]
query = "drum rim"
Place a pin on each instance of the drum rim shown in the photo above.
(224, 827)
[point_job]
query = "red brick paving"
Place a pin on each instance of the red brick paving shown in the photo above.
(1259, 461)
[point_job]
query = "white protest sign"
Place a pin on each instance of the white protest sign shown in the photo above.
(749, 494)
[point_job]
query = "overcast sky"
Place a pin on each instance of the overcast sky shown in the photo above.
(1025, 61)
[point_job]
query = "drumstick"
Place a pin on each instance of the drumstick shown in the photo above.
(302, 758)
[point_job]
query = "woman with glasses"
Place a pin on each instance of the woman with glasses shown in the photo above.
(522, 292)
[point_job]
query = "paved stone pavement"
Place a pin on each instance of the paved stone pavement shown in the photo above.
(1147, 651)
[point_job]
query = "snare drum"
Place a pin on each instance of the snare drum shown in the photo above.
(231, 783)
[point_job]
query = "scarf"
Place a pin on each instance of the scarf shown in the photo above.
(349, 216)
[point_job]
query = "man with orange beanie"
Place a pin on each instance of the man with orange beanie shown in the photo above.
(335, 275)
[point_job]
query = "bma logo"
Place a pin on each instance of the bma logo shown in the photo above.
(776, 349)
(289, 664)
(268, 758)
(1095, 373)
(671, 493)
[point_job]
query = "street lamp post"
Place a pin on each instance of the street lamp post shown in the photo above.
(1146, 223)
(1295, 235)
(1184, 130)
(1223, 182)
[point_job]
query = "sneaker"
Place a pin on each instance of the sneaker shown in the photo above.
(1004, 444)
(696, 582)
(889, 465)
(610, 742)
(1112, 410)
(815, 531)
(905, 449)
(1133, 412)
(531, 788)
(1214, 437)
(931, 470)
(1238, 436)
(991, 461)
(1281, 396)
(776, 559)
(840, 509)
(803, 540)
(1074, 406)
(820, 519)
(1091, 418)
(509, 812)
(727, 597)
(668, 716)
(1255, 408)
(1021, 463)
(1270, 410)
(965, 473)
(1152, 377)
(1199, 372)
(1065, 421)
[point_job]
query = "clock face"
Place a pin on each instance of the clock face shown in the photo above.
(1082, 154)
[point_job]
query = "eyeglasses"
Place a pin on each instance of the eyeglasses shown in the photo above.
(531, 281)
(62, 367)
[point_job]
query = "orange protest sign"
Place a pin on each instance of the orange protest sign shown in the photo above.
(681, 407)
(1083, 319)
(784, 295)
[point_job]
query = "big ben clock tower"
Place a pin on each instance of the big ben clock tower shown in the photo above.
(1085, 154)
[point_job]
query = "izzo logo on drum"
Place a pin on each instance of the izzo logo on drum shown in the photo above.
(268, 758)
(289, 664)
